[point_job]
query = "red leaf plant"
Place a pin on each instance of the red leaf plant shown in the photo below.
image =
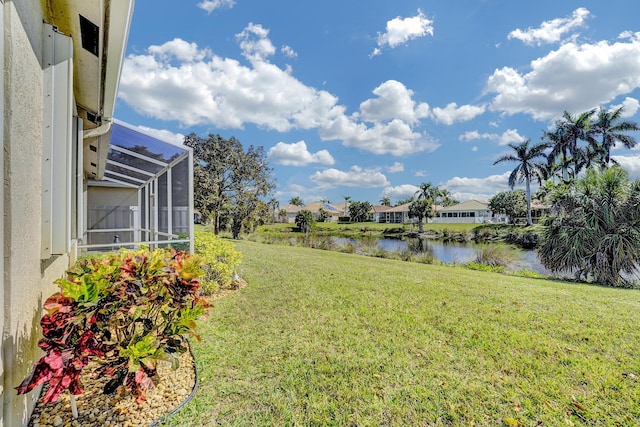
(128, 311)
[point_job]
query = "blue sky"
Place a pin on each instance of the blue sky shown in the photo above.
(370, 99)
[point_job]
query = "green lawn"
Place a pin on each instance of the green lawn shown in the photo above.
(325, 338)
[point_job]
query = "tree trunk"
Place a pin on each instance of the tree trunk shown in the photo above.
(529, 220)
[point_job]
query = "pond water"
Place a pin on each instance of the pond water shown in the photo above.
(458, 253)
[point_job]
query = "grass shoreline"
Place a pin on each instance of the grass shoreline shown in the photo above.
(326, 338)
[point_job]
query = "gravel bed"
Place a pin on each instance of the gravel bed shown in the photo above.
(97, 409)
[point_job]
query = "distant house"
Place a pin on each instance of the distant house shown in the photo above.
(378, 213)
(472, 211)
(291, 210)
(539, 210)
(395, 215)
(332, 210)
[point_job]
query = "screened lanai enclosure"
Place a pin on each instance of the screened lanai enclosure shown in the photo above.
(145, 195)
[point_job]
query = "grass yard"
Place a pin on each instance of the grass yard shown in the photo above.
(322, 338)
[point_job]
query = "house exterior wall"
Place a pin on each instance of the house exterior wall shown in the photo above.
(28, 281)
(112, 196)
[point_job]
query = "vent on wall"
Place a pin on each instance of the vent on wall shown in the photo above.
(90, 35)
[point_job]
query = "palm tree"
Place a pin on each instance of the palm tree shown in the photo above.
(428, 191)
(273, 204)
(558, 158)
(296, 201)
(573, 129)
(428, 195)
(527, 167)
(385, 201)
(346, 204)
(447, 198)
(594, 230)
(611, 130)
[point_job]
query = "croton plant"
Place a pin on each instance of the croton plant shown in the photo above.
(128, 311)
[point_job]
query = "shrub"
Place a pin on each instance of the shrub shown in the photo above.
(129, 309)
(496, 256)
(220, 261)
(304, 220)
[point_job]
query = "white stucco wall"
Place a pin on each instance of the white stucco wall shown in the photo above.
(27, 279)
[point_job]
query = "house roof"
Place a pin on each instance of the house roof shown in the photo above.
(290, 208)
(379, 208)
(537, 204)
(400, 208)
(471, 205)
(315, 207)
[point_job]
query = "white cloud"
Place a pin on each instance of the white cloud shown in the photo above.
(400, 192)
(394, 101)
(401, 30)
(211, 5)
(474, 135)
(575, 78)
(551, 31)
(420, 173)
(511, 136)
(179, 50)
(296, 154)
(452, 113)
(288, 51)
(395, 168)
(163, 135)
(180, 81)
(255, 44)
(507, 137)
(355, 177)
(630, 163)
(631, 107)
(396, 138)
(464, 188)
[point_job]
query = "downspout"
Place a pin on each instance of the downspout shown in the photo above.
(99, 131)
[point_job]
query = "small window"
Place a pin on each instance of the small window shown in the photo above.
(90, 35)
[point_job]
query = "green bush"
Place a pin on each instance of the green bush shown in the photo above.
(129, 310)
(497, 255)
(221, 261)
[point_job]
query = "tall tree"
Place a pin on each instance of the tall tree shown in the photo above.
(227, 179)
(421, 209)
(346, 204)
(428, 191)
(359, 211)
(558, 158)
(609, 129)
(511, 203)
(575, 128)
(385, 201)
(273, 205)
(594, 228)
(296, 201)
(527, 167)
(446, 198)
(282, 215)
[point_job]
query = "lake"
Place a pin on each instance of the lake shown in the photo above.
(458, 253)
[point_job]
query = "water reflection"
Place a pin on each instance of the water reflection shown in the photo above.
(458, 253)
